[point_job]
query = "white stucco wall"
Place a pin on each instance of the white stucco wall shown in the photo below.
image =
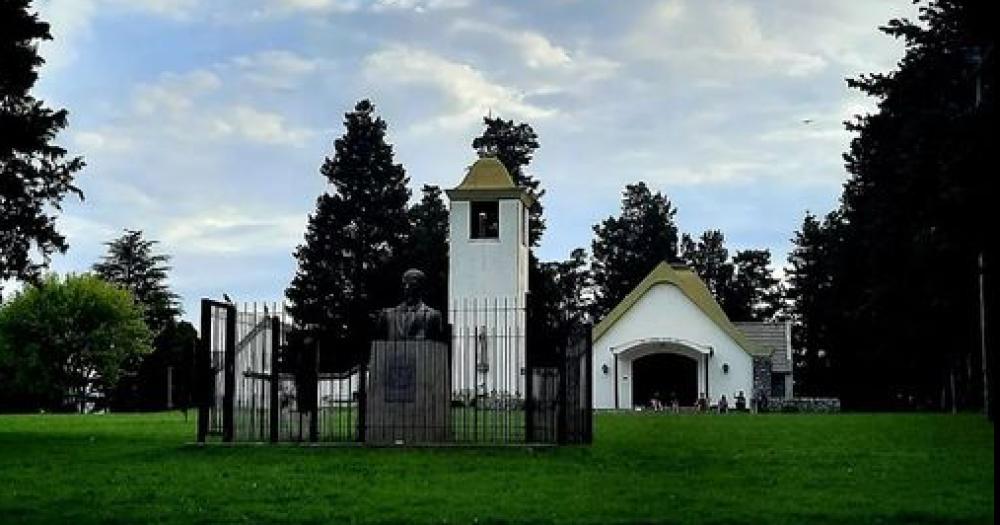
(487, 268)
(487, 287)
(664, 312)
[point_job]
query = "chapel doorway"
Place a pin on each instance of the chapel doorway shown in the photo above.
(663, 375)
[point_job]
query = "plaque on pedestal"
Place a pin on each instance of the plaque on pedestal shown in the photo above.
(409, 385)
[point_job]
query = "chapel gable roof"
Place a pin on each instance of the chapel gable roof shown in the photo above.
(694, 289)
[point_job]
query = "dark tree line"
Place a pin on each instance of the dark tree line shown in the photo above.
(627, 247)
(885, 288)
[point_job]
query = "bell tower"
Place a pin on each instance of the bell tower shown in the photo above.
(488, 277)
(488, 237)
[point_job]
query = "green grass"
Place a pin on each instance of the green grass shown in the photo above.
(642, 468)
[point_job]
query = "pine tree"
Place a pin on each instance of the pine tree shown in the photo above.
(710, 259)
(349, 265)
(755, 293)
(809, 293)
(131, 264)
(626, 248)
(35, 175)
(514, 146)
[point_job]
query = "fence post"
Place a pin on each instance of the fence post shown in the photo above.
(314, 390)
(203, 372)
(362, 399)
(229, 395)
(275, 377)
(562, 414)
(589, 378)
(529, 388)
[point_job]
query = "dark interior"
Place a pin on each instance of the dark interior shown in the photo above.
(663, 375)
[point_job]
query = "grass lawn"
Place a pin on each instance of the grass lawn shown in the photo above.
(857, 468)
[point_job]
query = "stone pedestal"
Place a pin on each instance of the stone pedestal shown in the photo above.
(408, 393)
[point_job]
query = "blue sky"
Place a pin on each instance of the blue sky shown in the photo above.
(204, 123)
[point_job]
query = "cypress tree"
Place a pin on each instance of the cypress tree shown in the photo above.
(349, 264)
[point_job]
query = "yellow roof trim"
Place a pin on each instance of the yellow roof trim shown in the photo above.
(691, 286)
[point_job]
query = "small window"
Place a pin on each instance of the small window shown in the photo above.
(485, 219)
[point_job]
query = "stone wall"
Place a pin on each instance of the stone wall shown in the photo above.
(804, 404)
(761, 376)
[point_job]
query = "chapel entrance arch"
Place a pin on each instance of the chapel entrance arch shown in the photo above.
(664, 376)
(660, 365)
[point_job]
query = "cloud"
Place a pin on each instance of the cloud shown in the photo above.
(351, 6)
(419, 6)
(342, 6)
(173, 94)
(276, 68)
(261, 126)
(228, 230)
(71, 22)
(716, 38)
(191, 107)
(468, 93)
(538, 52)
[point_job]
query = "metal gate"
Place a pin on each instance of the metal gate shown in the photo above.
(254, 389)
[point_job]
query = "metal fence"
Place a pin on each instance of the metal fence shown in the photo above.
(260, 380)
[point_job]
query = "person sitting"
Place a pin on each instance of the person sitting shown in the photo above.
(655, 403)
(741, 402)
(723, 404)
(702, 403)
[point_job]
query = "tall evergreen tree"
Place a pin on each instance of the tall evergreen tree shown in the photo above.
(349, 264)
(710, 259)
(810, 296)
(35, 174)
(131, 264)
(902, 325)
(427, 245)
(755, 293)
(626, 248)
(514, 146)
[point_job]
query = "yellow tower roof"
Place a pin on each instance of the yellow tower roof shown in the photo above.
(487, 173)
(487, 178)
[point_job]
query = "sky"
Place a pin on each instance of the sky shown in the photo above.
(204, 123)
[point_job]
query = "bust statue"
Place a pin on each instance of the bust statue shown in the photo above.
(411, 319)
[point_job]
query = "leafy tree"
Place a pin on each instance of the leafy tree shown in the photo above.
(350, 261)
(131, 264)
(626, 248)
(427, 245)
(514, 146)
(35, 175)
(64, 339)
